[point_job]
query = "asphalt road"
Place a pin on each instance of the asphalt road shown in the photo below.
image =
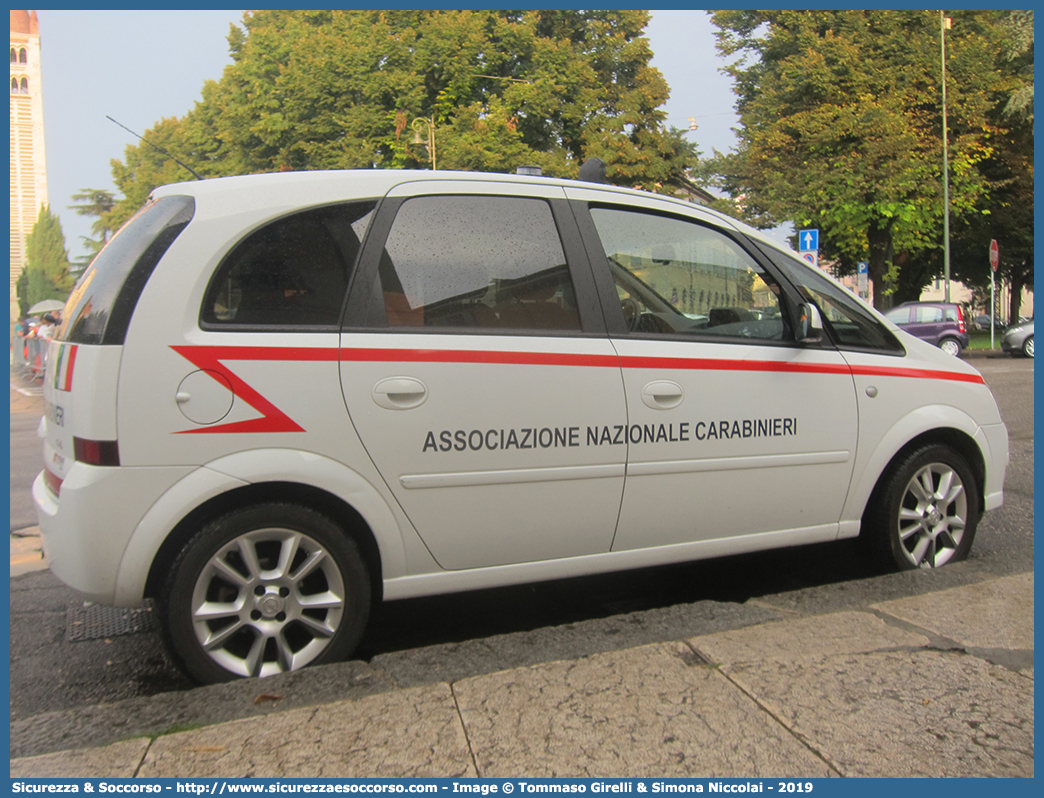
(50, 672)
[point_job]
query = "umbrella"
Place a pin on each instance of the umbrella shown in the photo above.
(46, 306)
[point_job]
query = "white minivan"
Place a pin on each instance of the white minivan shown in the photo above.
(277, 399)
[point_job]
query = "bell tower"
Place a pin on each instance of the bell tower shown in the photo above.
(28, 159)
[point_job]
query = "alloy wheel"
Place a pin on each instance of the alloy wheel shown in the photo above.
(932, 516)
(268, 601)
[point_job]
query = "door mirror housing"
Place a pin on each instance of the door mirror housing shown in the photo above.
(810, 324)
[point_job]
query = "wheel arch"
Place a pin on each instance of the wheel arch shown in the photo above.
(333, 507)
(260, 476)
(956, 439)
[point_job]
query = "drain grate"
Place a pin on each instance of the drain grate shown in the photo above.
(93, 621)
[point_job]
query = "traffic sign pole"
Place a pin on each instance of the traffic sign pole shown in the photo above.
(808, 246)
(863, 279)
(994, 262)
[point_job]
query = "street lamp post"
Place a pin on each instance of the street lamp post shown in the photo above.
(424, 125)
(944, 23)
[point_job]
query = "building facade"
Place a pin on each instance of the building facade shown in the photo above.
(28, 157)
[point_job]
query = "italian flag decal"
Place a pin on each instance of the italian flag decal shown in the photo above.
(63, 366)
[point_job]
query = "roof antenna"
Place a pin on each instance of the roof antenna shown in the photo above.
(592, 170)
(179, 163)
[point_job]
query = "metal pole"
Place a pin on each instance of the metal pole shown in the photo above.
(993, 308)
(432, 139)
(946, 159)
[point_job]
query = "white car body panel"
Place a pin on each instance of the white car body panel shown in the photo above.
(200, 413)
(450, 463)
(792, 475)
(87, 531)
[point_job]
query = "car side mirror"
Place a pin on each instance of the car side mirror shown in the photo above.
(810, 324)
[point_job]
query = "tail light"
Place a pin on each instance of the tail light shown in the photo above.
(98, 453)
(54, 482)
(960, 320)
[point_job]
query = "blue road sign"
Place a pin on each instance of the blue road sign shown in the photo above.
(808, 240)
(862, 267)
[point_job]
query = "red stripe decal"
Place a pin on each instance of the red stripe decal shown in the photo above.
(917, 374)
(210, 358)
(707, 364)
(69, 368)
(478, 356)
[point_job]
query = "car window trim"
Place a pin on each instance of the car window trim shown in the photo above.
(592, 322)
(352, 268)
(614, 320)
(837, 344)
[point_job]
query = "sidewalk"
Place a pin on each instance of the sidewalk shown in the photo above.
(939, 685)
(26, 553)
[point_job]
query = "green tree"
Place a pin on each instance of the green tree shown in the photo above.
(341, 89)
(1018, 51)
(841, 115)
(98, 203)
(1009, 170)
(47, 262)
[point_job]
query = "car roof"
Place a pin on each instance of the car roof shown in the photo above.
(300, 189)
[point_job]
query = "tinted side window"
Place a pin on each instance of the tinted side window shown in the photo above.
(676, 277)
(473, 262)
(292, 272)
(101, 305)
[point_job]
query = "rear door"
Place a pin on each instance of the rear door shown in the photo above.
(733, 428)
(473, 363)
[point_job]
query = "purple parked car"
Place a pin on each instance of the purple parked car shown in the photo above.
(939, 323)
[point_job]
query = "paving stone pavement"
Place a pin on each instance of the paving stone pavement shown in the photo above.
(937, 685)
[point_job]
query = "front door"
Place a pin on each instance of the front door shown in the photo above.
(733, 429)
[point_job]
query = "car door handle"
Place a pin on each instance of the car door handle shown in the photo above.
(400, 393)
(662, 395)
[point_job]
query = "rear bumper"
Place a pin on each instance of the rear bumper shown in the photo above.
(86, 531)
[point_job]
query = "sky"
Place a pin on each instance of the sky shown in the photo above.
(139, 67)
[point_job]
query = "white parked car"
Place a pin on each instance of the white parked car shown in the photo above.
(277, 399)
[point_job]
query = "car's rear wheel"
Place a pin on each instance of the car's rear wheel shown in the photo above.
(924, 514)
(950, 346)
(262, 590)
(1027, 347)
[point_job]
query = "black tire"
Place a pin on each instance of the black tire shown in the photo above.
(924, 512)
(287, 588)
(950, 346)
(1027, 347)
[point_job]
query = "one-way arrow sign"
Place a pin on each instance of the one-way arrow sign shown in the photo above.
(808, 240)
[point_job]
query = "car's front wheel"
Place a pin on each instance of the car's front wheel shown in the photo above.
(263, 590)
(950, 346)
(924, 513)
(1027, 347)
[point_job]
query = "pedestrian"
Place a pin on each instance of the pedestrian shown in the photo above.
(46, 328)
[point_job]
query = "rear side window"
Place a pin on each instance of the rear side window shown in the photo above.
(292, 272)
(475, 262)
(930, 314)
(103, 301)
